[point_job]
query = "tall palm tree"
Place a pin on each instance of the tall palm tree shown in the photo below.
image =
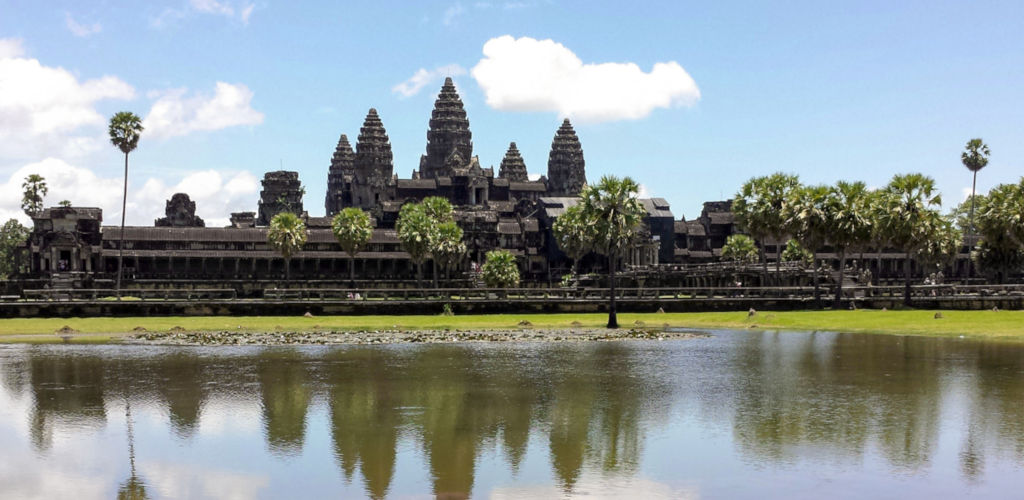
(353, 229)
(287, 235)
(849, 224)
(572, 232)
(414, 228)
(125, 129)
(805, 214)
(758, 207)
(617, 214)
(908, 216)
(34, 190)
(974, 157)
(446, 246)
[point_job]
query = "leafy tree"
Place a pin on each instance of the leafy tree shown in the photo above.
(574, 234)
(124, 130)
(796, 253)
(287, 235)
(849, 224)
(32, 198)
(961, 214)
(806, 215)
(907, 214)
(500, 269)
(440, 211)
(414, 228)
(12, 233)
(353, 228)
(65, 203)
(617, 216)
(1001, 227)
(740, 248)
(758, 207)
(446, 245)
(974, 157)
(944, 245)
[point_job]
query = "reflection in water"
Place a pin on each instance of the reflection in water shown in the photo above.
(583, 410)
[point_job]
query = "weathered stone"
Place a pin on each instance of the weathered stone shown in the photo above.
(282, 192)
(374, 163)
(180, 212)
(448, 135)
(566, 168)
(513, 167)
(343, 164)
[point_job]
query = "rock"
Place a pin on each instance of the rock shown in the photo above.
(938, 315)
(995, 309)
(885, 309)
(576, 324)
(66, 330)
(307, 315)
(751, 312)
(139, 329)
(638, 323)
(525, 323)
(177, 329)
(661, 310)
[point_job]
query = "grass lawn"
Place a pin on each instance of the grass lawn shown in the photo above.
(1008, 325)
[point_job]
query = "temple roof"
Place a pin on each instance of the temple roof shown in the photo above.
(566, 167)
(448, 133)
(512, 166)
(374, 160)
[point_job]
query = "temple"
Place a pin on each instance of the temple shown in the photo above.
(70, 247)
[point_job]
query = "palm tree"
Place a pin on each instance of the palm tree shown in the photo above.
(125, 129)
(287, 235)
(1001, 227)
(353, 229)
(32, 199)
(907, 214)
(740, 248)
(849, 224)
(414, 228)
(974, 157)
(573, 234)
(805, 214)
(758, 208)
(446, 246)
(617, 214)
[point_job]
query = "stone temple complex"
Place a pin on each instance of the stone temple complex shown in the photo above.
(503, 210)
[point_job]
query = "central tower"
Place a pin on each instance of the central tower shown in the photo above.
(448, 134)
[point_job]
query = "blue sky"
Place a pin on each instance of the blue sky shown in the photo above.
(826, 90)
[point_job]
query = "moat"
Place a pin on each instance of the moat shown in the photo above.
(737, 414)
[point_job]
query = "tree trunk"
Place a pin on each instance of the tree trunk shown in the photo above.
(433, 262)
(764, 263)
(419, 274)
(352, 269)
(287, 271)
(878, 265)
(970, 267)
(839, 282)
(613, 321)
(778, 261)
(120, 243)
(814, 270)
(906, 279)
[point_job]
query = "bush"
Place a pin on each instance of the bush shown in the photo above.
(500, 269)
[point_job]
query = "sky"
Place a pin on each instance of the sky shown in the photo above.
(689, 98)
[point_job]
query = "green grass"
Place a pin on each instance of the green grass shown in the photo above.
(974, 324)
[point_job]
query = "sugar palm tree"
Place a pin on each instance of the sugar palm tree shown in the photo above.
(125, 129)
(974, 157)
(573, 233)
(758, 207)
(907, 214)
(805, 214)
(740, 248)
(287, 235)
(849, 225)
(34, 189)
(353, 229)
(617, 215)
(446, 246)
(414, 227)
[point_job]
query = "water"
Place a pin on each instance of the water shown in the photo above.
(736, 415)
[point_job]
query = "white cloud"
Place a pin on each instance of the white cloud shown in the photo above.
(239, 11)
(216, 196)
(174, 113)
(642, 192)
(422, 77)
(11, 48)
(187, 480)
(81, 30)
(43, 109)
(452, 13)
(526, 74)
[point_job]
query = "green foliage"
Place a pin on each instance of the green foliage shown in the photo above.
(740, 248)
(12, 233)
(942, 247)
(414, 227)
(353, 229)
(447, 310)
(500, 270)
(430, 227)
(446, 244)
(961, 214)
(32, 198)
(438, 208)
(1000, 223)
(287, 234)
(907, 211)
(975, 155)
(614, 212)
(574, 233)
(124, 130)
(848, 210)
(65, 203)
(796, 253)
(760, 202)
(806, 215)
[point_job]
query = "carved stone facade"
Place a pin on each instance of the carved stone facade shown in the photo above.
(180, 212)
(566, 169)
(343, 167)
(449, 141)
(374, 163)
(282, 192)
(513, 167)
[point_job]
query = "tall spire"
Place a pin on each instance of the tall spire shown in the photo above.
(374, 165)
(566, 169)
(512, 166)
(342, 164)
(448, 133)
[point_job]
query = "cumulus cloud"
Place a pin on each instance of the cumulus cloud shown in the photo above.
(526, 74)
(43, 109)
(422, 77)
(175, 113)
(79, 29)
(216, 195)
